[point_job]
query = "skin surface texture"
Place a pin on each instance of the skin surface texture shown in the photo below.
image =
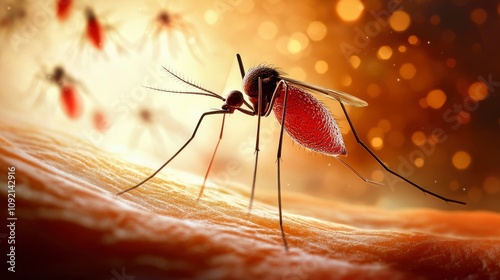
(71, 225)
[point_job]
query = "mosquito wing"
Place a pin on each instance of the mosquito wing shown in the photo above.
(334, 94)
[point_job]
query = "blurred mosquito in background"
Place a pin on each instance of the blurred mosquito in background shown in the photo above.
(70, 95)
(305, 119)
(14, 13)
(154, 121)
(176, 31)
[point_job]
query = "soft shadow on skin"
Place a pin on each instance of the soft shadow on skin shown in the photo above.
(70, 224)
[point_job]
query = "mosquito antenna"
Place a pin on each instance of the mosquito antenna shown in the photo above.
(178, 152)
(359, 175)
(387, 168)
(240, 64)
(190, 83)
(186, 92)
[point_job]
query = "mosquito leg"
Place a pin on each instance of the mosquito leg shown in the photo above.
(387, 168)
(259, 112)
(178, 152)
(278, 162)
(212, 159)
(359, 175)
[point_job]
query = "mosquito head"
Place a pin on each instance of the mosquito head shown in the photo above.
(270, 78)
(164, 18)
(89, 14)
(234, 101)
(57, 75)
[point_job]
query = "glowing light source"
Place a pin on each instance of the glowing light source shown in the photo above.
(297, 42)
(349, 10)
(211, 17)
(478, 16)
(355, 61)
(461, 160)
(267, 30)
(321, 66)
(435, 19)
(407, 71)
(377, 143)
(316, 30)
(413, 40)
(418, 138)
(478, 91)
(399, 21)
(436, 98)
(384, 52)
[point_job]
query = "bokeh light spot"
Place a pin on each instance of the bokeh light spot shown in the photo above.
(211, 17)
(419, 162)
(297, 42)
(461, 160)
(384, 52)
(413, 40)
(478, 16)
(435, 19)
(316, 30)
(436, 98)
(346, 80)
(418, 138)
(349, 10)
(355, 61)
(451, 62)
(399, 21)
(402, 48)
(267, 30)
(377, 143)
(377, 176)
(491, 184)
(321, 66)
(407, 71)
(478, 91)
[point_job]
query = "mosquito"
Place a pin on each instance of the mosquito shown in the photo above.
(71, 91)
(305, 119)
(175, 29)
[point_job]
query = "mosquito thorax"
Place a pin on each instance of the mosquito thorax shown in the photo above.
(270, 78)
(234, 100)
(57, 76)
(89, 14)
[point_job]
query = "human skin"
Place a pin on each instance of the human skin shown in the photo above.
(71, 225)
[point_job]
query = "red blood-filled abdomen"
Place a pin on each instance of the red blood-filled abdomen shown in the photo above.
(71, 102)
(309, 123)
(63, 9)
(95, 33)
